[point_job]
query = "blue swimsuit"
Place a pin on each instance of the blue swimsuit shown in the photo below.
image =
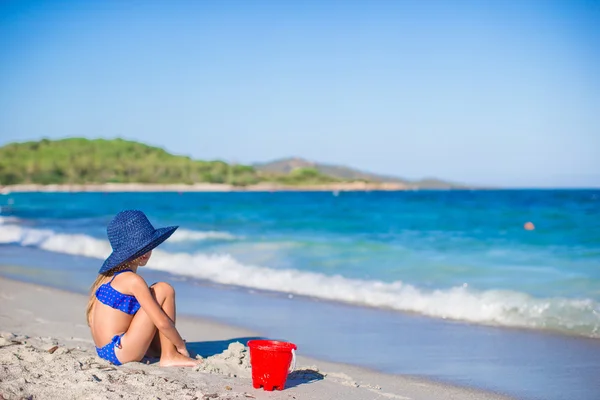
(106, 294)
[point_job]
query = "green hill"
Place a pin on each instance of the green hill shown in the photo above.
(120, 161)
(80, 161)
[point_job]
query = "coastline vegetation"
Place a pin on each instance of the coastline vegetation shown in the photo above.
(84, 161)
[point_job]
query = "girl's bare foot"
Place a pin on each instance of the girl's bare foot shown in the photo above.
(178, 360)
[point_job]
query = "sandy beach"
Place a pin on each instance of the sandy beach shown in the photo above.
(46, 352)
(205, 187)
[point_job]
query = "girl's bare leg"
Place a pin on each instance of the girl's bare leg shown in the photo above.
(142, 331)
(154, 349)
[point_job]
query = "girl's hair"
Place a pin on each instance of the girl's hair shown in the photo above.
(100, 279)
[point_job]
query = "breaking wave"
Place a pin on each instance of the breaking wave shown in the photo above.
(490, 307)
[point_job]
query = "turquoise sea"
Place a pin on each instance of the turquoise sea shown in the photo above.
(446, 285)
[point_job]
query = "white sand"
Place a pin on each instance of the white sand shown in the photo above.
(46, 352)
(204, 187)
(233, 362)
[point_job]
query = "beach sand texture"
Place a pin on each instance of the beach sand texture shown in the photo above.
(46, 352)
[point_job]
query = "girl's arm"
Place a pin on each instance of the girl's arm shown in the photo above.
(163, 323)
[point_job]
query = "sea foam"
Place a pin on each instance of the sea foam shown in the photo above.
(489, 307)
(185, 235)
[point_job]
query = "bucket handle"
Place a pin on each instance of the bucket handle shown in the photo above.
(293, 363)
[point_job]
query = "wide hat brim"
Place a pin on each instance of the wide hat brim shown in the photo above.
(117, 258)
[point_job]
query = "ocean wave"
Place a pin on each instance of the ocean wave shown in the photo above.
(50, 240)
(490, 307)
(185, 235)
(8, 220)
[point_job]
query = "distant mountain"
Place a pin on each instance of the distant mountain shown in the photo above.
(287, 165)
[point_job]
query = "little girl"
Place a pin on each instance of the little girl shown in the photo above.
(127, 318)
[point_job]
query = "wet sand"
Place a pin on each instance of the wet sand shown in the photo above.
(46, 352)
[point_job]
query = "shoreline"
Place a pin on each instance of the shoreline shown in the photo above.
(205, 187)
(42, 311)
(258, 188)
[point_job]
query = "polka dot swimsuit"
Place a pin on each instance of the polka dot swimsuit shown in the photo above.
(106, 294)
(108, 352)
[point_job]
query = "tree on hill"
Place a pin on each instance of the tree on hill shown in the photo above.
(79, 161)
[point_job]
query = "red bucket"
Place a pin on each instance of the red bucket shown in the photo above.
(271, 362)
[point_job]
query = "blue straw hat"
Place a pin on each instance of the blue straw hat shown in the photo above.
(131, 235)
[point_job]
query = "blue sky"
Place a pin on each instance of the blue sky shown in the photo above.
(497, 92)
